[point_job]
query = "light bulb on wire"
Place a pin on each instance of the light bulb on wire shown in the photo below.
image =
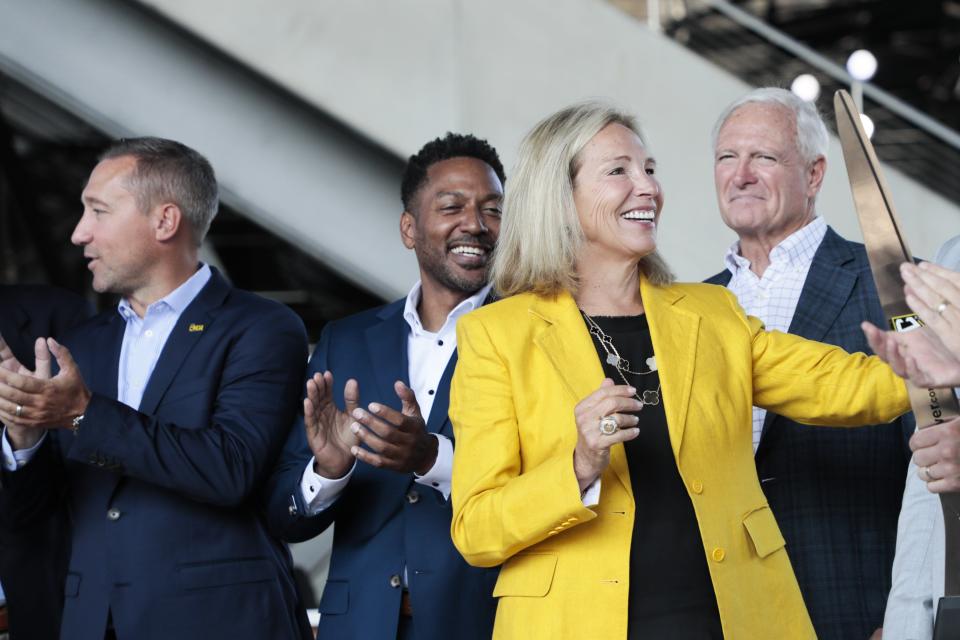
(806, 87)
(862, 65)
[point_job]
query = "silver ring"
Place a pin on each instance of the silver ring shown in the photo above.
(18, 411)
(926, 472)
(609, 425)
(942, 307)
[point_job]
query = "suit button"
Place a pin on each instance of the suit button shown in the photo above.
(113, 514)
(395, 581)
(719, 554)
(413, 496)
(551, 533)
(697, 486)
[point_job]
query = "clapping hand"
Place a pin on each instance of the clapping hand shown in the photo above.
(398, 440)
(31, 401)
(328, 429)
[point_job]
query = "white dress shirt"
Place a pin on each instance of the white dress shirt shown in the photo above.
(773, 298)
(143, 341)
(428, 354)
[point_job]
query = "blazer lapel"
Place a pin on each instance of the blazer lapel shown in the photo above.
(439, 420)
(567, 344)
(106, 356)
(199, 313)
(674, 332)
(387, 348)
(828, 285)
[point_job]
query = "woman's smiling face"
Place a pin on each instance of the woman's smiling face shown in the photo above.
(617, 196)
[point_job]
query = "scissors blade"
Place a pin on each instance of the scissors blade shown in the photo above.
(887, 249)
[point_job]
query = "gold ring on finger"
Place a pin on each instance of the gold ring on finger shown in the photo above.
(609, 425)
(19, 411)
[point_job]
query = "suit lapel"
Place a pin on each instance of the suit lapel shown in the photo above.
(185, 335)
(825, 292)
(106, 356)
(439, 420)
(566, 343)
(385, 339)
(674, 332)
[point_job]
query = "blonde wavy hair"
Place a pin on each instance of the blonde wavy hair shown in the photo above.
(540, 234)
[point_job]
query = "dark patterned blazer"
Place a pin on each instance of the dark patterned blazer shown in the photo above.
(33, 559)
(836, 493)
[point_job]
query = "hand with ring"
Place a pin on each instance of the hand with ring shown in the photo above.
(603, 421)
(608, 425)
(934, 294)
(928, 356)
(936, 452)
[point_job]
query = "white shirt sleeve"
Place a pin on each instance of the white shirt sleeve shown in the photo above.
(910, 606)
(319, 492)
(591, 496)
(13, 460)
(440, 474)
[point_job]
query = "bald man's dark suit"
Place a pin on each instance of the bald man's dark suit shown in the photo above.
(33, 560)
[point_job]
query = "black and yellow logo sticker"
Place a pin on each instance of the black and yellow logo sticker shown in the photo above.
(907, 322)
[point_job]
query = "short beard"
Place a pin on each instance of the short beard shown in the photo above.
(435, 265)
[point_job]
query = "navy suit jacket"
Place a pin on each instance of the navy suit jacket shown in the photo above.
(167, 534)
(836, 493)
(384, 520)
(33, 559)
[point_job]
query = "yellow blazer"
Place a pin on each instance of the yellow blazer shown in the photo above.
(526, 361)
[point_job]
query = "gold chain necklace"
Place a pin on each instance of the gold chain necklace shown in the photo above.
(622, 365)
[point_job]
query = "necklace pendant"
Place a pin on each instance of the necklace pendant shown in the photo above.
(613, 359)
(651, 397)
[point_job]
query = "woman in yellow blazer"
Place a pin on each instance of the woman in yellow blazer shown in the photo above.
(589, 489)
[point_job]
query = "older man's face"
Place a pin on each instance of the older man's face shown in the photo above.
(764, 188)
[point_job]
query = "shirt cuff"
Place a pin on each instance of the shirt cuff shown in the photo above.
(591, 496)
(439, 475)
(13, 460)
(320, 493)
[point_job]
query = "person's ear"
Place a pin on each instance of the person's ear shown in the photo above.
(815, 176)
(167, 221)
(408, 229)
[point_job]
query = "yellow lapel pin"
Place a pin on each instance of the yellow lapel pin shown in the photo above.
(194, 328)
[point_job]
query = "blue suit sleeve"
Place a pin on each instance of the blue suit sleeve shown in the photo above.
(222, 459)
(32, 492)
(287, 515)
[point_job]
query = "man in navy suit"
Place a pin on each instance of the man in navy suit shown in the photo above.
(835, 492)
(374, 449)
(163, 421)
(33, 560)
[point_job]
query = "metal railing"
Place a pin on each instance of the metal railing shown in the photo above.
(817, 61)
